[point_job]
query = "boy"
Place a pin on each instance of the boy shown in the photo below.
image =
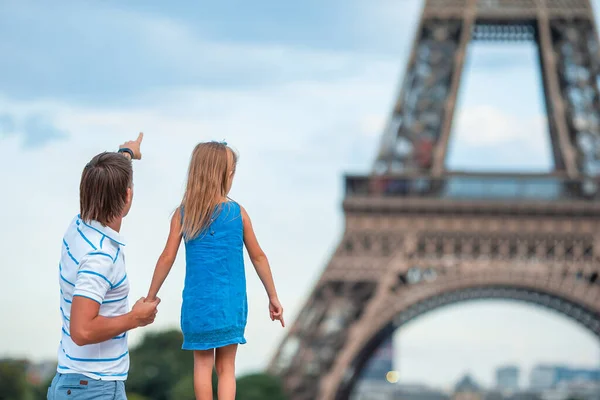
(93, 359)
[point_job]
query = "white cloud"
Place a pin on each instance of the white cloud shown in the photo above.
(488, 125)
(138, 53)
(487, 138)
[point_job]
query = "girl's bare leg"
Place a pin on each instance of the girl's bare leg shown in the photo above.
(204, 361)
(225, 363)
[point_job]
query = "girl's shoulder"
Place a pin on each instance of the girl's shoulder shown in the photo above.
(229, 210)
(238, 210)
(234, 204)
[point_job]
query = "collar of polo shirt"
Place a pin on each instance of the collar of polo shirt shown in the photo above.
(105, 230)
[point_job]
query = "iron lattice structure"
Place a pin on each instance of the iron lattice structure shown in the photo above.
(418, 236)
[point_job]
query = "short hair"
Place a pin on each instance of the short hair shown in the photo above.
(103, 188)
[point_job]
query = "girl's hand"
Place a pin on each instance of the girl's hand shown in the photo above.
(276, 311)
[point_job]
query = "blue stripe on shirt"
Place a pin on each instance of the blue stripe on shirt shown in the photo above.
(99, 374)
(86, 239)
(95, 359)
(99, 253)
(64, 298)
(63, 314)
(80, 295)
(62, 277)
(97, 274)
(69, 252)
(94, 373)
(120, 282)
(115, 300)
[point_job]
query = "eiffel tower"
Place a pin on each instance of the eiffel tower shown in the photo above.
(418, 237)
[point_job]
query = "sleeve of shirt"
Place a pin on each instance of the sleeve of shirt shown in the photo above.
(94, 277)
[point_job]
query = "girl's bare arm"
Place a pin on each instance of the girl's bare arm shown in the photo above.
(258, 257)
(167, 258)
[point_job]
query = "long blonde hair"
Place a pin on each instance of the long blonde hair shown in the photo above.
(209, 179)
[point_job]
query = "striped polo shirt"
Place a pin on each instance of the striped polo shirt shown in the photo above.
(92, 265)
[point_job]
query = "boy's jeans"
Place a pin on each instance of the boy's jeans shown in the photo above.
(80, 387)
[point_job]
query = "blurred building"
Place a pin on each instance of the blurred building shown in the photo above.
(468, 389)
(377, 381)
(499, 395)
(544, 377)
(419, 392)
(579, 390)
(507, 379)
(380, 364)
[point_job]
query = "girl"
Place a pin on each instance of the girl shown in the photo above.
(214, 309)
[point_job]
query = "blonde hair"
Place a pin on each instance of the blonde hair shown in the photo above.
(209, 178)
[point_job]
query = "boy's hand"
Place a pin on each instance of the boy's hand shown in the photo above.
(276, 311)
(134, 146)
(144, 312)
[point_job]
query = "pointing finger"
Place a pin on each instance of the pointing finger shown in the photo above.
(140, 137)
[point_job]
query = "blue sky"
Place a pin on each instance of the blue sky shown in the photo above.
(301, 90)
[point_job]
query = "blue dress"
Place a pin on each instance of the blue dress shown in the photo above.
(215, 306)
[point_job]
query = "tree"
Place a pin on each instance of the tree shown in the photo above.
(157, 364)
(135, 396)
(259, 387)
(40, 392)
(249, 387)
(184, 389)
(13, 381)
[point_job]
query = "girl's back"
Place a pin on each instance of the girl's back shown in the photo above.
(214, 309)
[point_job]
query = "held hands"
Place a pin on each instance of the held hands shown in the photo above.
(134, 146)
(144, 311)
(276, 311)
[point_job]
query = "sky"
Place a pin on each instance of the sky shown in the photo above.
(302, 91)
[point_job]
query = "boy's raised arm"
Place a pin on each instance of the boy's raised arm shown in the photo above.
(131, 149)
